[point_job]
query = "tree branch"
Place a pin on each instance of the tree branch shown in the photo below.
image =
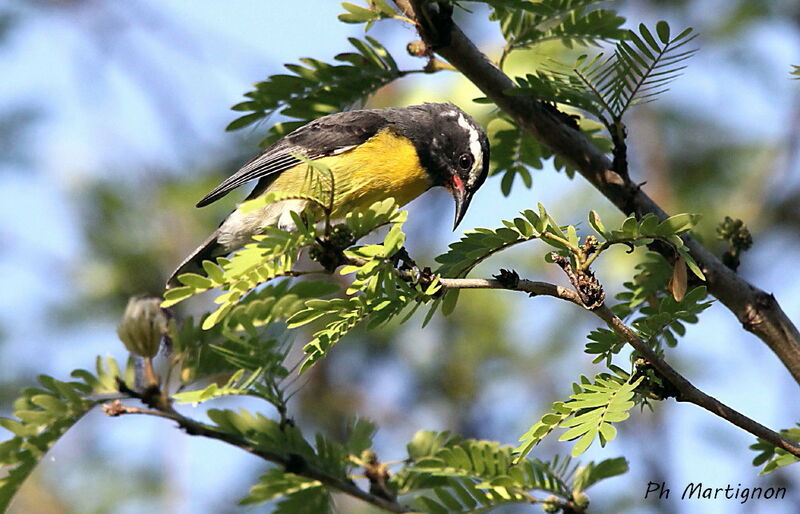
(757, 310)
(686, 391)
(192, 427)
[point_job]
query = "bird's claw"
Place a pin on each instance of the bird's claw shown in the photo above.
(408, 263)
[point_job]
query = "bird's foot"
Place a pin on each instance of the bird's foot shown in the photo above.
(408, 263)
(422, 277)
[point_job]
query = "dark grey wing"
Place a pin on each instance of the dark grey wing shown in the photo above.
(326, 136)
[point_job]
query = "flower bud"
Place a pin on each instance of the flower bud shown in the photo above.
(581, 500)
(142, 326)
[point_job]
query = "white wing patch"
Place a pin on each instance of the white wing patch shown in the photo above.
(343, 149)
(474, 147)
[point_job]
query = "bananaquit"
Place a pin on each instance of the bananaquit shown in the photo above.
(375, 154)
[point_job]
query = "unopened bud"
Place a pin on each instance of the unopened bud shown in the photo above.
(581, 500)
(142, 326)
(551, 505)
(417, 49)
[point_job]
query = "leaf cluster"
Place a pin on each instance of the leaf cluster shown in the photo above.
(240, 359)
(286, 441)
(478, 245)
(667, 318)
(273, 254)
(252, 363)
(590, 411)
(376, 10)
(642, 232)
(315, 88)
(654, 314)
(296, 493)
(43, 414)
(588, 414)
(515, 153)
(641, 68)
(572, 22)
(772, 457)
(463, 475)
(378, 292)
(659, 321)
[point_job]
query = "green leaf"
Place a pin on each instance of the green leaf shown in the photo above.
(213, 271)
(690, 262)
(571, 22)
(315, 88)
(597, 223)
(237, 385)
(244, 121)
(384, 7)
(515, 153)
(394, 240)
(640, 69)
(773, 457)
(605, 344)
(196, 281)
(304, 317)
(630, 227)
(360, 432)
(593, 473)
(312, 499)
(677, 224)
(648, 224)
(478, 245)
(449, 302)
(43, 415)
(662, 29)
(549, 421)
(176, 295)
(357, 14)
(275, 484)
(572, 235)
(216, 317)
(600, 403)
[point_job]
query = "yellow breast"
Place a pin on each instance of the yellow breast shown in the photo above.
(384, 166)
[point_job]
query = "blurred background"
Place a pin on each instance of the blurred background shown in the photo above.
(112, 119)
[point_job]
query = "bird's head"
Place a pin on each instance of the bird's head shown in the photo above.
(454, 149)
(468, 163)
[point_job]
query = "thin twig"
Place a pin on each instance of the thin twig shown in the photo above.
(192, 427)
(686, 391)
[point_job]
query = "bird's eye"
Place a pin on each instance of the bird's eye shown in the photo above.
(465, 161)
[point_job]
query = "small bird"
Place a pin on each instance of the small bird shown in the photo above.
(373, 154)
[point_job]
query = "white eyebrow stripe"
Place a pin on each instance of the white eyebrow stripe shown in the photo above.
(474, 148)
(477, 168)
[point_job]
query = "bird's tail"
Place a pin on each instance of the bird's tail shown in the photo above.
(208, 250)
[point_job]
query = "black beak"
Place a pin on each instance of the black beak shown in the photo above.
(462, 198)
